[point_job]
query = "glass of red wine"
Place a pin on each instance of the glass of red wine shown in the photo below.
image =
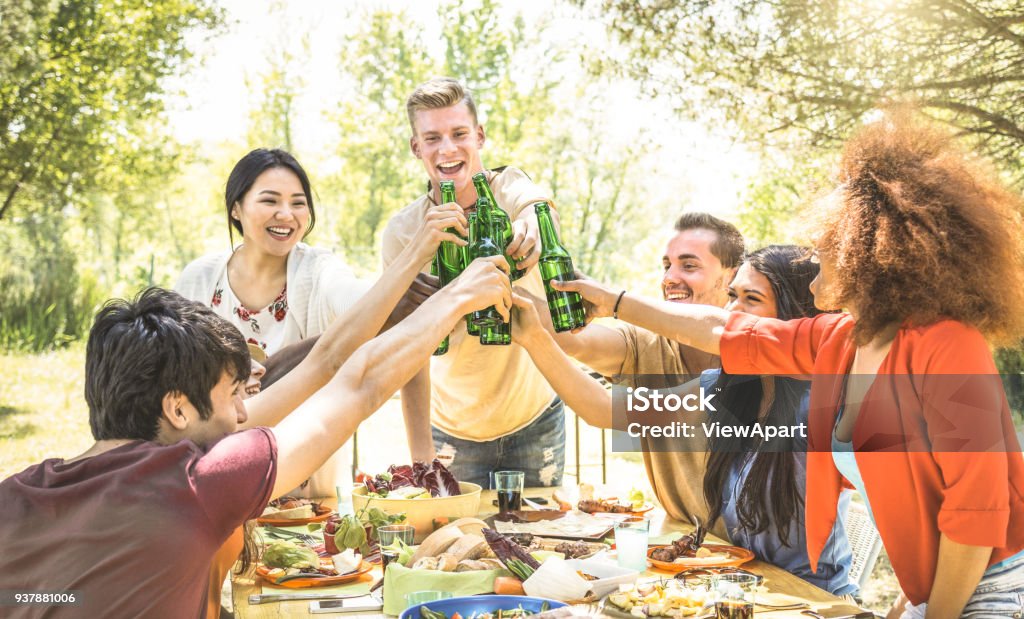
(509, 485)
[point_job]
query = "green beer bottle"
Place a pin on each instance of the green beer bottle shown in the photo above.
(481, 244)
(447, 262)
(443, 346)
(499, 217)
(449, 255)
(471, 327)
(498, 333)
(555, 264)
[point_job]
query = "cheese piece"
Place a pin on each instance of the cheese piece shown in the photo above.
(436, 543)
(346, 562)
(468, 547)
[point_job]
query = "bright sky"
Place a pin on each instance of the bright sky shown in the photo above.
(694, 169)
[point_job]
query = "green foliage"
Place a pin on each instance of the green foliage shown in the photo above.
(384, 62)
(46, 301)
(81, 159)
(774, 201)
(278, 88)
(74, 74)
(803, 70)
(1010, 362)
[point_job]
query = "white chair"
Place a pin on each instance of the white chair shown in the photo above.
(865, 543)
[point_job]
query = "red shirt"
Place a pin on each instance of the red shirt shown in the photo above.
(134, 529)
(934, 440)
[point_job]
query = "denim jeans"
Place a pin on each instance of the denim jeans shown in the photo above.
(999, 595)
(538, 450)
(1000, 592)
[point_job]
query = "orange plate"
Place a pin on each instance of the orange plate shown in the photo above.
(306, 583)
(643, 510)
(737, 556)
(322, 513)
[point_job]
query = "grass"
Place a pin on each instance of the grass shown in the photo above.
(43, 415)
(42, 408)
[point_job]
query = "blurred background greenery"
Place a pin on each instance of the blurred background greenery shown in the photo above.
(119, 120)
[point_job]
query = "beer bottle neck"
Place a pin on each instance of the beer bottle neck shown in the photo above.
(447, 194)
(483, 190)
(548, 237)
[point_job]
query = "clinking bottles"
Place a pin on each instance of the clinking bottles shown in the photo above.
(489, 209)
(566, 308)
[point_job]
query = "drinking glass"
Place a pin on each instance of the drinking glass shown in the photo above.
(631, 542)
(386, 535)
(509, 485)
(734, 595)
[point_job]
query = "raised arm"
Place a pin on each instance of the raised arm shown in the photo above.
(599, 348)
(325, 421)
(699, 326)
(584, 395)
(356, 325)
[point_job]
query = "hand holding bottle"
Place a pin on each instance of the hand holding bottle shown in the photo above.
(437, 227)
(598, 299)
(482, 284)
(525, 245)
(530, 318)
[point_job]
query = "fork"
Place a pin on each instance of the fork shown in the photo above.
(285, 534)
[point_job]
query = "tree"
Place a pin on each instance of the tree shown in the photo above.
(73, 75)
(383, 62)
(801, 70)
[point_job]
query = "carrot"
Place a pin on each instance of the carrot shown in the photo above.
(508, 585)
(456, 616)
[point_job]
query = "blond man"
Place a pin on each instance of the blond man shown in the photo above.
(488, 407)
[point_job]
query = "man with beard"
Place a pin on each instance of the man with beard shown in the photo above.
(700, 261)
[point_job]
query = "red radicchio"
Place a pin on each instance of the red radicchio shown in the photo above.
(439, 480)
(436, 478)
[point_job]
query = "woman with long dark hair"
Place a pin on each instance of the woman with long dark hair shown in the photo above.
(756, 487)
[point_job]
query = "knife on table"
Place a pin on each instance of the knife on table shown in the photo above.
(257, 598)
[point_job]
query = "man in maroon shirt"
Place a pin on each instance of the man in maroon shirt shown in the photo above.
(132, 524)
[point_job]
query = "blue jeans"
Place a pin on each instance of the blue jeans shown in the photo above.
(538, 450)
(1000, 592)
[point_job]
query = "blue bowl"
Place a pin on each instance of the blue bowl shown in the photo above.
(468, 605)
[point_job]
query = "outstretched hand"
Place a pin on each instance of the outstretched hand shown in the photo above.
(598, 299)
(531, 317)
(485, 283)
(524, 247)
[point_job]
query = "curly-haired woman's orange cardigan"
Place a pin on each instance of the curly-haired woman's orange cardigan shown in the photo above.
(937, 392)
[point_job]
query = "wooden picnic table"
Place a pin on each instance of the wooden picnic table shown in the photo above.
(776, 579)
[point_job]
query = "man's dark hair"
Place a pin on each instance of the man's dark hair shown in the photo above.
(728, 247)
(141, 350)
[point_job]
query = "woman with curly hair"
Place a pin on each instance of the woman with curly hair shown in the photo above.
(921, 246)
